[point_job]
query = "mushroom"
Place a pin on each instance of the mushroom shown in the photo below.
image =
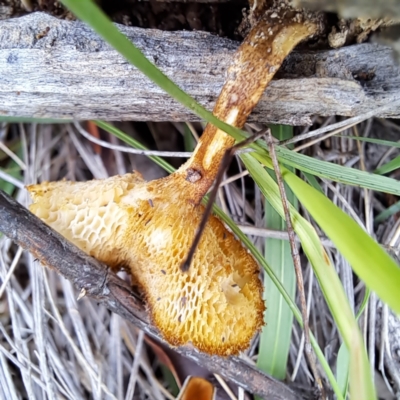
(148, 227)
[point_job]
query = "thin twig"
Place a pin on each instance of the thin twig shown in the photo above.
(101, 284)
(369, 228)
(224, 385)
(346, 123)
(12, 155)
(135, 367)
(125, 149)
(297, 265)
(234, 178)
(275, 234)
(226, 159)
(322, 138)
(10, 272)
(8, 178)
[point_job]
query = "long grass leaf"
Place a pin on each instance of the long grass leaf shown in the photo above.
(12, 169)
(368, 259)
(362, 386)
(393, 209)
(389, 166)
(338, 173)
(342, 369)
(372, 140)
(343, 358)
(312, 180)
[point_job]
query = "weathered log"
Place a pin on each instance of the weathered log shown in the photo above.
(97, 281)
(355, 8)
(62, 69)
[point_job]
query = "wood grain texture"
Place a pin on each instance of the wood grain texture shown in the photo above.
(61, 69)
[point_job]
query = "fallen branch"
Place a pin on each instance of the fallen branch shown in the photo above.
(62, 69)
(97, 281)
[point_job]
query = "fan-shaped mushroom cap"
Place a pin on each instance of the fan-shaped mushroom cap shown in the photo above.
(149, 226)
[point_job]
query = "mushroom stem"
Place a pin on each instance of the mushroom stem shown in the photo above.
(255, 63)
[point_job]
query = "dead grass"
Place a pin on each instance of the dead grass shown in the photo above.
(52, 346)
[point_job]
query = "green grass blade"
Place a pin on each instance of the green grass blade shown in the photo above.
(188, 139)
(13, 169)
(389, 166)
(393, 209)
(276, 335)
(170, 381)
(338, 173)
(275, 338)
(360, 376)
(367, 258)
(372, 140)
(342, 369)
(343, 358)
(15, 172)
(312, 180)
(14, 145)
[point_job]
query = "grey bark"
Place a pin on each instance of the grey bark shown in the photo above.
(355, 8)
(61, 69)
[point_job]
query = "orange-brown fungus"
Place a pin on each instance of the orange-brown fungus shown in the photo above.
(149, 226)
(216, 305)
(254, 65)
(197, 388)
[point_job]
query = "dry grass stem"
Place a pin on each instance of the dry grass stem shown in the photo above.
(51, 154)
(125, 149)
(297, 265)
(346, 123)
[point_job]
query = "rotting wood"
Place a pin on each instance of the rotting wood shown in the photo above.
(101, 284)
(61, 69)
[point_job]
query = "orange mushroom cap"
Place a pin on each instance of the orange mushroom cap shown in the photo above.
(123, 221)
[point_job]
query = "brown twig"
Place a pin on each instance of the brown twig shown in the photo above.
(97, 281)
(226, 160)
(297, 266)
